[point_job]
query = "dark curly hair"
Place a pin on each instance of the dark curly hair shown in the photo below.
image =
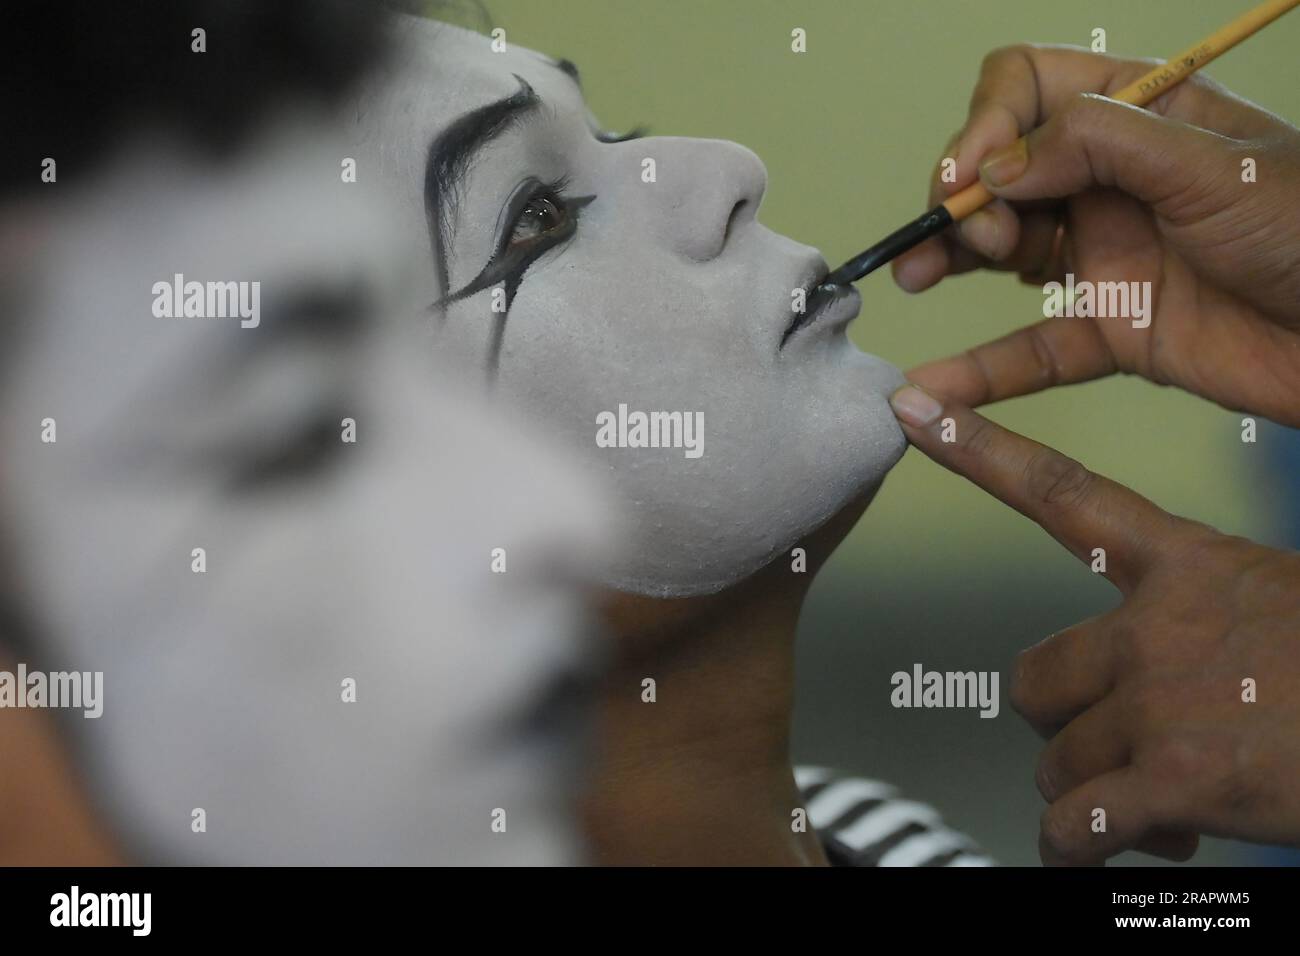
(77, 73)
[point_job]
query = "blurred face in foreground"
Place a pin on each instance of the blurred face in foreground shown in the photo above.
(300, 636)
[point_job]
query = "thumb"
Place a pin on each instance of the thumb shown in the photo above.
(1097, 141)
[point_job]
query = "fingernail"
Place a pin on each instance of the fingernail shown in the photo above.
(980, 230)
(1006, 165)
(914, 406)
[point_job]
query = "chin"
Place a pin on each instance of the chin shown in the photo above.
(712, 535)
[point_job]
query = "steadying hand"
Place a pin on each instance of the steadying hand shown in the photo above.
(1177, 713)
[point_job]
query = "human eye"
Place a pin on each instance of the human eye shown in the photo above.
(546, 213)
(307, 451)
(537, 217)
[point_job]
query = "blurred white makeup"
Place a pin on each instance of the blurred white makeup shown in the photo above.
(330, 569)
(601, 281)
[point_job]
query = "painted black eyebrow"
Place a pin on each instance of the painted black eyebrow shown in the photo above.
(569, 67)
(450, 155)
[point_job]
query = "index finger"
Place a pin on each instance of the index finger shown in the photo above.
(1055, 351)
(1080, 509)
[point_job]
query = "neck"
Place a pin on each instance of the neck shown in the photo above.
(702, 774)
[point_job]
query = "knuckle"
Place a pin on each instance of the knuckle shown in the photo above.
(1225, 771)
(1018, 694)
(980, 438)
(1057, 832)
(1049, 367)
(1080, 113)
(1024, 693)
(1048, 775)
(1239, 788)
(1124, 632)
(1267, 578)
(1021, 695)
(998, 57)
(1147, 708)
(1139, 653)
(1178, 760)
(1202, 549)
(1055, 480)
(946, 153)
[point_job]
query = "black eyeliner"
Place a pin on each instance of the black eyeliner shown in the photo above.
(516, 275)
(511, 271)
(519, 262)
(524, 193)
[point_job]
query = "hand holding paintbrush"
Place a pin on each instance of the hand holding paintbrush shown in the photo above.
(1196, 199)
(1141, 89)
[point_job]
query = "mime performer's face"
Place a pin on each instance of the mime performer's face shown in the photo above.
(592, 278)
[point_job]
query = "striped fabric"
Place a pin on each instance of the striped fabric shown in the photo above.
(866, 823)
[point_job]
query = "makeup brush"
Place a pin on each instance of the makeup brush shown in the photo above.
(1139, 93)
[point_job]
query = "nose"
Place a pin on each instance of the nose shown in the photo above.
(711, 188)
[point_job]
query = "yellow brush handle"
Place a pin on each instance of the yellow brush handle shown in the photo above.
(1164, 77)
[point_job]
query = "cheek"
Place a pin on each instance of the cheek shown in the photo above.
(622, 318)
(590, 331)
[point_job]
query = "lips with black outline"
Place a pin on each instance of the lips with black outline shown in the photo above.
(817, 297)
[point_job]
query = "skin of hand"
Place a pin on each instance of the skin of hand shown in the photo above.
(1148, 195)
(1144, 707)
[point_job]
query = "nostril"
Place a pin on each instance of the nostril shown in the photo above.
(731, 220)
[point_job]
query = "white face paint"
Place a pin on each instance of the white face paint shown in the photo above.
(668, 296)
(325, 561)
